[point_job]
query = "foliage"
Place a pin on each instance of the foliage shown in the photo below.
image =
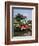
(21, 24)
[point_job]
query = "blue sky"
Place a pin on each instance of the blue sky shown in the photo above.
(25, 12)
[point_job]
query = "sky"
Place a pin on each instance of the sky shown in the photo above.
(24, 12)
